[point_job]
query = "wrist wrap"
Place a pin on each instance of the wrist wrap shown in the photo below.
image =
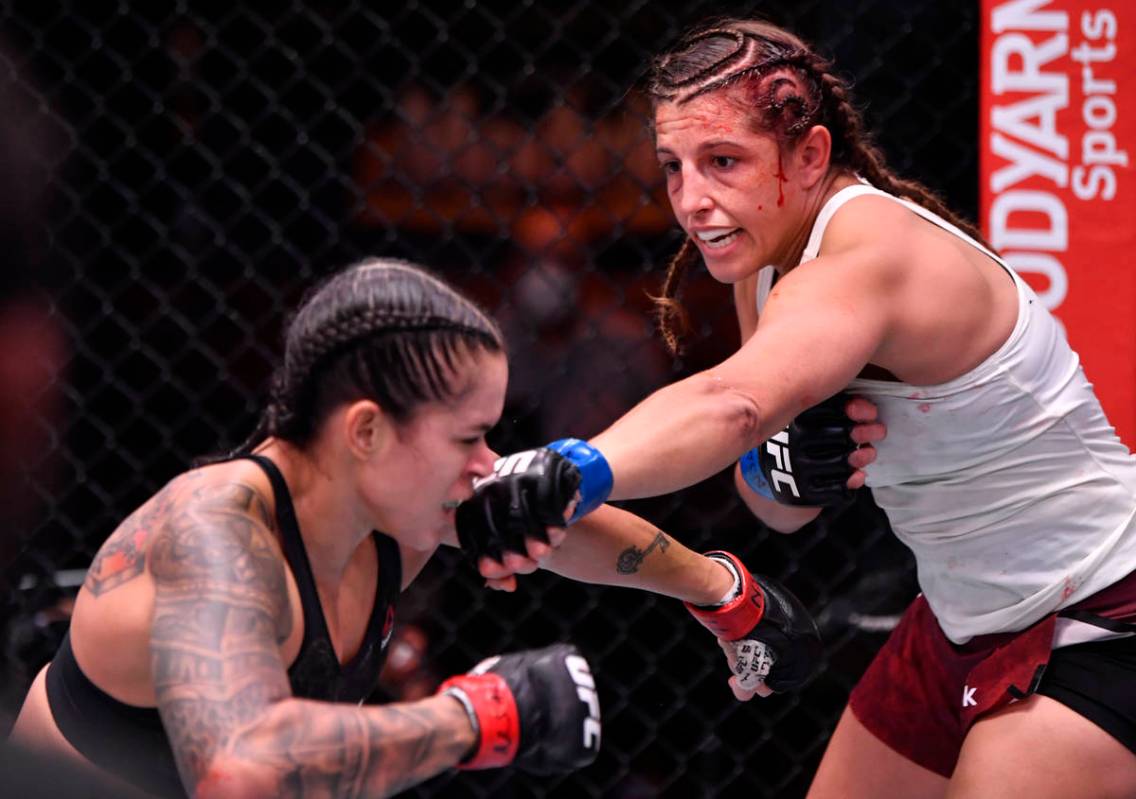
(751, 471)
(595, 473)
(740, 615)
(493, 712)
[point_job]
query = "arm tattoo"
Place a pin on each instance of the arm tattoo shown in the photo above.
(221, 614)
(632, 558)
(123, 556)
(316, 749)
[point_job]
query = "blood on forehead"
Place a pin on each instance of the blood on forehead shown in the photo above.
(748, 100)
(722, 112)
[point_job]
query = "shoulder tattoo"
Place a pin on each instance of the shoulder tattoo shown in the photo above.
(122, 557)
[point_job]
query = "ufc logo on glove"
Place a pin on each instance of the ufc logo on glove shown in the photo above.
(586, 689)
(782, 473)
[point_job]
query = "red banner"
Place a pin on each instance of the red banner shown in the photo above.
(1058, 192)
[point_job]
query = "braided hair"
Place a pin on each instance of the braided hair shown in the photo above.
(756, 56)
(381, 329)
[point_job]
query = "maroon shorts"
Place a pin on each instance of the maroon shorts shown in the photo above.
(922, 693)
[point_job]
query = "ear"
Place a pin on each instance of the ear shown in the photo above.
(367, 427)
(813, 155)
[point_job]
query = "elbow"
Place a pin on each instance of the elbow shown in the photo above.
(228, 777)
(735, 411)
(248, 766)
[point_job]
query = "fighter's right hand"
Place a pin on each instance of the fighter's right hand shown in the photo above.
(538, 710)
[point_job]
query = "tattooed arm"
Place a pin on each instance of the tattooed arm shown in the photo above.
(613, 547)
(221, 614)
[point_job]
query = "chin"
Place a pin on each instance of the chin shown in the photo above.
(422, 542)
(423, 536)
(730, 273)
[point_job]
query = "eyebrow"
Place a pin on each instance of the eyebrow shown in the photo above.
(706, 145)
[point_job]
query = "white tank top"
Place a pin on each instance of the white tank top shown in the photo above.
(1008, 483)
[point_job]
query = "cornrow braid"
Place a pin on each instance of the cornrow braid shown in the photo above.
(382, 329)
(727, 52)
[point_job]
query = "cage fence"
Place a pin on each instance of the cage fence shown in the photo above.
(204, 163)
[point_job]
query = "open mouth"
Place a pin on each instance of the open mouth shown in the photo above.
(715, 239)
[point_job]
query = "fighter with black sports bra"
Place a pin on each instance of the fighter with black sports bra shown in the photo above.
(131, 742)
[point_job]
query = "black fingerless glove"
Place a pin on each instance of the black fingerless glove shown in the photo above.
(807, 462)
(766, 611)
(527, 493)
(538, 710)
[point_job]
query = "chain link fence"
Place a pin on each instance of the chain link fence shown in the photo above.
(205, 162)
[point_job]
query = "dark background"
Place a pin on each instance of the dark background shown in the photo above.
(203, 163)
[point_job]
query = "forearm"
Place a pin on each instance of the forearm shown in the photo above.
(613, 547)
(782, 518)
(302, 748)
(678, 436)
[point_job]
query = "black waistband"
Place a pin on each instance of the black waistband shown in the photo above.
(125, 740)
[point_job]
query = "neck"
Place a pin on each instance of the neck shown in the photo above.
(814, 200)
(332, 525)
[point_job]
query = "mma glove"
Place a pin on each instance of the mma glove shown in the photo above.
(537, 709)
(807, 462)
(528, 492)
(768, 634)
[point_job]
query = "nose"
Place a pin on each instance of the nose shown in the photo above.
(481, 461)
(692, 197)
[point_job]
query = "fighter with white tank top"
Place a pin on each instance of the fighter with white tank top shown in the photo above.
(1008, 483)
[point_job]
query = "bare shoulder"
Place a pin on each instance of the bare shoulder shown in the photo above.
(892, 235)
(226, 497)
(214, 513)
(875, 231)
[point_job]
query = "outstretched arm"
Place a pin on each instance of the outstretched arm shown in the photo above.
(821, 325)
(221, 615)
(613, 547)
